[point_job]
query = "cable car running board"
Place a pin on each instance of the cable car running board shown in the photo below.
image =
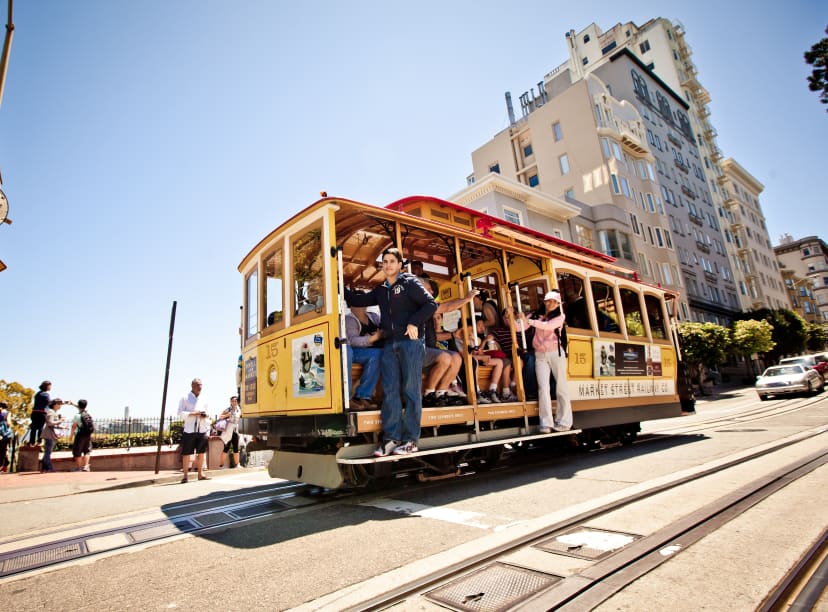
(441, 449)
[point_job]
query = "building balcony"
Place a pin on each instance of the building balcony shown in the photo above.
(683, 167)
(704, 112)
(731, 203)
(674, 139)
(715, 153)
(633, 143)
(702, 246)
(688, 192)
(695, 219)
(722, 180)
(709, 132)
(711, 276)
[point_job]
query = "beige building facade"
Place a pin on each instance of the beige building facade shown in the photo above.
(661, 45)
(659, 115)
(804, 266)
(601, 165)
(760, 281)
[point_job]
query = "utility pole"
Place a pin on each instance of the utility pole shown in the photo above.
(4, 66)
(4, 58)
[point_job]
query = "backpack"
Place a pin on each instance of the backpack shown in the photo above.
(5, 429)
(87, 426)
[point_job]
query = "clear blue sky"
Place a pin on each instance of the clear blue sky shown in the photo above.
(147, 146)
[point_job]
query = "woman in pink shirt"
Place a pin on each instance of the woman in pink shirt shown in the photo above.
(550, 358)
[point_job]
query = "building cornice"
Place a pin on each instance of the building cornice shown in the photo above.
(732, 167)
(554, 207)
(626, 52)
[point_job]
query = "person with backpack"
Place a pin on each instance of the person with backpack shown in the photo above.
(82, 428)
(6, 435)
(549, 344)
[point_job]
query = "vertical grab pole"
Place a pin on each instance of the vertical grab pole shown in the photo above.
(473, 313)
(471, 374)
(343, 336)
(520, 310)
(519, 306)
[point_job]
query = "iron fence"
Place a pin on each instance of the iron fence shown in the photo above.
(126, 433)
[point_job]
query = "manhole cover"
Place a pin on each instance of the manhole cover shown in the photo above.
(587, 543)
(492, 588)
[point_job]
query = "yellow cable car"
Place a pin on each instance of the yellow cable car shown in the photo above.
(622, 345)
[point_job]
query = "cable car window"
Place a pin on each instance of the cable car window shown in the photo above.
(253, 304)
(273, 288)
(655, 316)
(631, 306)
(573, 293)
(308, 285)
(604, 297)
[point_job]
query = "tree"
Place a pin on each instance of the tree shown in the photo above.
(817, 337)
(19, 400)
(751, 336)
(703, 344)
(789, 331)
(818, 58)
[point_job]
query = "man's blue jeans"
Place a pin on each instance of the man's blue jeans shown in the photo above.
(369, 358)
(402, 370)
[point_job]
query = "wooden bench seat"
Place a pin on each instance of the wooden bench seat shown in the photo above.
(484, 375)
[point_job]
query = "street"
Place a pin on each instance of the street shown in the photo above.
(288, 547)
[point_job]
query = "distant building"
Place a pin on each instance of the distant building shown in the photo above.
(746, 236)
(804, 265)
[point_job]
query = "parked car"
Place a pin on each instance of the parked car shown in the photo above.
(785, 379)
(815, 362)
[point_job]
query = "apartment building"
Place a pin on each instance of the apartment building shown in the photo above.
(602, 166)
(761, 284)
(805, 261)
(662, 47)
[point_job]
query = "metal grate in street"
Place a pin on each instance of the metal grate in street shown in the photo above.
(493, 588)
(587, 543)
(47, 555)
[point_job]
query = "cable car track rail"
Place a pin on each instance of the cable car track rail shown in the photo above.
(201, 516)
(181, 519)
(585, 590)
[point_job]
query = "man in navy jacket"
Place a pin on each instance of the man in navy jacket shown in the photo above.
(405, 306)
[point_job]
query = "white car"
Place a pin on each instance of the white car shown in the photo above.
(792, 378)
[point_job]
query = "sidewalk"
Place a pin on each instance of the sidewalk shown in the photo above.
(34, 485)
(23, 486)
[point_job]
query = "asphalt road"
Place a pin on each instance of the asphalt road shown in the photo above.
(301, 555)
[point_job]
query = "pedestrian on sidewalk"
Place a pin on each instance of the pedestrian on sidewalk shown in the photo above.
(5, 436)
(38, 418)
(82, 429)
(194, 409)
(51, 433)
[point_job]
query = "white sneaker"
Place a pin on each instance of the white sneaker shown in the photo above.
(386, 448)
(405, 449)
